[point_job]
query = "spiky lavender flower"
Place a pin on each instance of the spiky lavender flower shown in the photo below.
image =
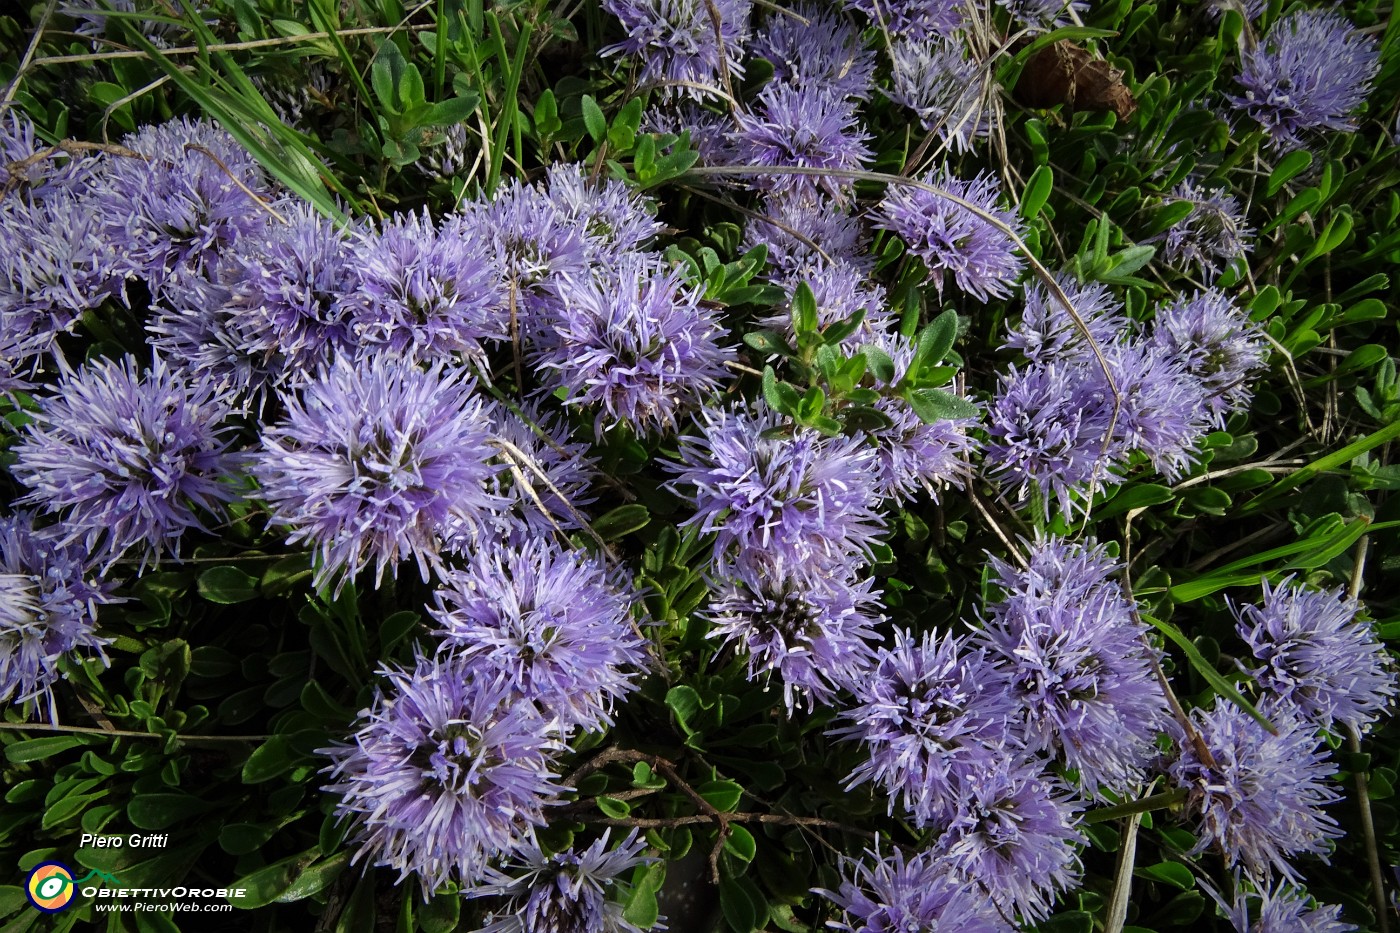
(824, 52)
(635, 341)
(1078, 663)
(803, 236)
(1046, 331)
(445, 157)
(1013, 835)
(292, 290)
(677, 44)
(892, 894)
(1049, 432)
(447, 770)
(423, 293)
(56, 175)
(918, 20)
(841, 291)
(706, 130)
(1284, 908)
(182, 204)
(554, 624)
(48, 608)
(934, 716)
(130, 459)
(566, 892)
(949, 237)
(1160, 409)
(1317, 656)
(377, 460)
(774, 497)
(614, 220)
(1042, 15)
(1312, 71)
(1218, 344)
(815, 635)
(1212, 236)
(803, 127)
(1260, 800)
(543, 507)
(940, 81)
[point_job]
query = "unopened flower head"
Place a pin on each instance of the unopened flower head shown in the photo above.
(446, 770)
(130, 459)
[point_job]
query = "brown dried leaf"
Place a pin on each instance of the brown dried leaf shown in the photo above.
(1065, 73)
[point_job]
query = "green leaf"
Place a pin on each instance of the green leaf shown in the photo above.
(722, 795)
(38, 749)
(227, 585)
(932, 405)
(742, 904)
(1288, 167)
(269, 760)
(641, 909)
(265, 885)
(684, 703)
(386, 76)
(933, 344)
(451, 112)
(316, 878)
(766, 341)
(159, 811)
(1141, 496)
(1173, 873)
(879, 363)
(1038, 188)
(612, 807)
(547, 115)
(1207, 670)
(804, 311)
(622, 520)
(593, 119)
(243, 838)
(740, 843)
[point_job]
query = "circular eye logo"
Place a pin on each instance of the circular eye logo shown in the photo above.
(50, 887)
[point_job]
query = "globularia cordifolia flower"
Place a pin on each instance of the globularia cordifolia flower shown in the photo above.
(1218, 344)
(913, 19)
(568, 892)
(446, 157)
(1283, 908)
(423, 293)
(1260, 802)
(1013, 835)
(1311, 72)
(940, 81)
(635, 341)
(677, 44)
(779, 496)
(892, 894)
(802, 127)
(446, 770)
(824, 52)
(814, 635)
(58, 175)
(706, 130)
(375, 462)
(803, 236)
(934, 717)
(1212, 236)
(614, 220)
(1047, 332)
(1078, 664)
(130, 459)
(177, 209)
(841, 290)
(1043, 14)
(951, 238)
(48, 608)
(1160, 410)
(543, 507)
(292, 290)
(1318, 658)
(1049, 432)
(553, 623)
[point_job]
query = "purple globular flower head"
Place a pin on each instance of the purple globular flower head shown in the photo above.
(1311, 72)
(945, 86)
(894, 894)
(1014, 836)
(447, 158)
(1212, 236)
(934, 716)
(1047, 429)
(544, 441)
(56, 176)
(803, 236)
(1284, 908)
(566, 892)
(176, 209)
(1160, 412)
(131, 460)
(1318, 658)
(1046, 331)
(49, 596)
(802, 127)
(423, 293)
(1043, 15)
(292, 290)
(613, 219)
(775, 495)
(677, 44)
(635, 341)
(841, 291)
(1218, 344)
(950, 238)
(1078, 662)
(376, 461)
(1260, 800)
(913, 454)
(553, 623)
(913, 19)
(446, 770)
(814, 635)
(707, 130)
(825, 52)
